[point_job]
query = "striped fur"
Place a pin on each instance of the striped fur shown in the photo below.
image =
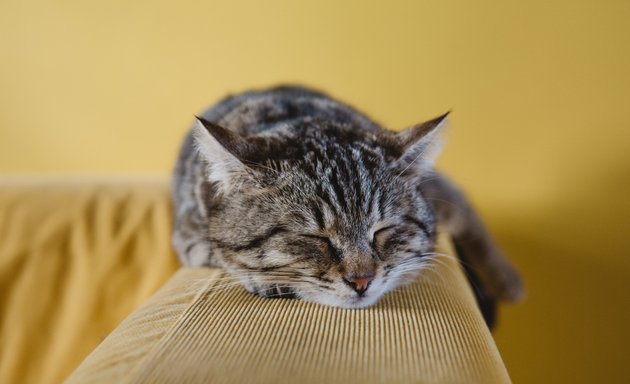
(292, 192)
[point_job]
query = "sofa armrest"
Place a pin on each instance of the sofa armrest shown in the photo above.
(200, 329)
(77, 255)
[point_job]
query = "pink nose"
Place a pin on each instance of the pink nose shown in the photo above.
(359, 283)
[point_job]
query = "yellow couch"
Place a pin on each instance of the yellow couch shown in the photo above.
(76, 257)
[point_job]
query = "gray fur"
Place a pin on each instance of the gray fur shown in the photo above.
(294, 194)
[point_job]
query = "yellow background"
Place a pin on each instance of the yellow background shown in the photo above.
(539, 136)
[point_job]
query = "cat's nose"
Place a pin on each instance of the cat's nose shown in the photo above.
(360, 283)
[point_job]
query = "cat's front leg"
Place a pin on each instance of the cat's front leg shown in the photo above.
(499, 280)
(271, 291)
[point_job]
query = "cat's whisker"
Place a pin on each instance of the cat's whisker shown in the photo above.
(456, 259)
(222, 286)
(442, 264)
(435, 272)
(427, 179)
(228, 277)
(474, 285)
(436, 259)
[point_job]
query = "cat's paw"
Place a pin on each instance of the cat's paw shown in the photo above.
(506, 285)
(274, 292)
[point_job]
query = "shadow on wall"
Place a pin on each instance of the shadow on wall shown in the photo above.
(576, 312)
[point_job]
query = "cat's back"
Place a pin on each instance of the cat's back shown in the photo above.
(254, 112)
(249, 114)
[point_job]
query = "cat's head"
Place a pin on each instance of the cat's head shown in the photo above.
(320, 210)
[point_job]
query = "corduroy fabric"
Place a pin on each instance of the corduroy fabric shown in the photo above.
(201, 328)
(77, 256)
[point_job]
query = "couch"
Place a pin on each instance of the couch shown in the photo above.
(79, 255)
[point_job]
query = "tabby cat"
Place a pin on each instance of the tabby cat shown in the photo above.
(298, 195)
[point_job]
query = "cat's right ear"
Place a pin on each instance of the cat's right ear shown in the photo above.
(224, 152)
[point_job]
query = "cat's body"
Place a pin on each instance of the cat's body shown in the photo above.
(296, 194)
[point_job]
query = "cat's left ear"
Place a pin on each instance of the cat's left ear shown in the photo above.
(422, 143)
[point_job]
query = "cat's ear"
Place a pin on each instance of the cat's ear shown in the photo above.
(422, 143)
(223, 150)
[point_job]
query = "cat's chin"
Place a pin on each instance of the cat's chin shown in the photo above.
(345, 302)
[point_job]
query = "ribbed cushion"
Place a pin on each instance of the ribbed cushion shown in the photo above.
(200, 327)
(77, 256)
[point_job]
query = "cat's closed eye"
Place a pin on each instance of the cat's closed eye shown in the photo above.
(380, 237)
(331, 250)
(381, 232)
(409, 235)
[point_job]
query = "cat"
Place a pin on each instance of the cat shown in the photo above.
(298, 195)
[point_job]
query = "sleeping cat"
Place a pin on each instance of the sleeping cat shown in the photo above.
(298, 195)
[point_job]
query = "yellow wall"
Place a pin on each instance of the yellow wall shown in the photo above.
(539, 136)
